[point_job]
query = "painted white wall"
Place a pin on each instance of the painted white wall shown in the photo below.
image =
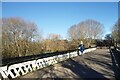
(14, 70)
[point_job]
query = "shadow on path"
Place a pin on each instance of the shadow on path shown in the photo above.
(94, 65)
(115, 55)
(82, 71)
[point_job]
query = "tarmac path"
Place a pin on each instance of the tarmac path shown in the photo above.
(92, 65)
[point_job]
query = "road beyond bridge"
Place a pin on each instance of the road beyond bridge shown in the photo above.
(95, 64)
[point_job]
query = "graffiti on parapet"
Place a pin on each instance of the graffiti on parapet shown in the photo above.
(16, 70)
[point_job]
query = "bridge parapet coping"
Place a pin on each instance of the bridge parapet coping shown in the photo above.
(19, 69)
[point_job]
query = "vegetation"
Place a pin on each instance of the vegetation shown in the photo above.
(116, 33)
(21, 38)
(17, 37)
(87, 31)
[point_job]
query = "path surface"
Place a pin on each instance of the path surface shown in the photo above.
(96, 64)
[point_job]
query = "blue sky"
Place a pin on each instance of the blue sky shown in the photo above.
(53, 17)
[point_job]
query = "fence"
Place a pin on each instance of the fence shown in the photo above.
(19, 69)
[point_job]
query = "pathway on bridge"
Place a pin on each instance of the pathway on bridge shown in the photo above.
(96, 64)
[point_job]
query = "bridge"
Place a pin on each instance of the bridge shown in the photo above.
(93, 63)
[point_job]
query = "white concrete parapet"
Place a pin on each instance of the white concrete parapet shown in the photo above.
(19, 69)
(89, 50)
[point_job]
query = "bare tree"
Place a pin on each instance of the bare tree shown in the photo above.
(89, 29)
(17, 35)
(53, 36)
(54, 43)
(72, 32)
(116, 32)
(0, 41)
